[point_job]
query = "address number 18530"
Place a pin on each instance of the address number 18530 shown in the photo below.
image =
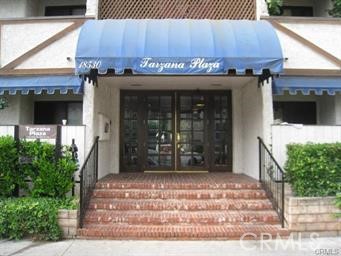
(93, 64)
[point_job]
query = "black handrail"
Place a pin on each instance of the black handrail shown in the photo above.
(88, 177)
(272, 178)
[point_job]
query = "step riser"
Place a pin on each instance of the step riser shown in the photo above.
(179, 195)
(181, 220)
(177, 207)
(172, 234)
(255, 186)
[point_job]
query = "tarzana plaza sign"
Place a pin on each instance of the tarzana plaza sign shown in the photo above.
(158, 65)
(37, 132)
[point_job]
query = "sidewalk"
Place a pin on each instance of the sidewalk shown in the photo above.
(320, 247)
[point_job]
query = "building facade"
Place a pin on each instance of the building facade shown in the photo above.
(154, 117)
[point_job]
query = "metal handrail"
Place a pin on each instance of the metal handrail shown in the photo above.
(272, 178)
(88, 177)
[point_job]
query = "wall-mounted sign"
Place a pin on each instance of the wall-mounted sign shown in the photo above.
(188, 66)
(37, 132)
(159, 65)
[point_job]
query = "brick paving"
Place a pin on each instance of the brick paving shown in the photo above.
(206, 206)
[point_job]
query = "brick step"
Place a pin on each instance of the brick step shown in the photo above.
(184, 232)
(179, 186)
(178, 194)
(179, 217)
(189, 205)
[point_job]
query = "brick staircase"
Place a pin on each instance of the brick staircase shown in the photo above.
(179, 206)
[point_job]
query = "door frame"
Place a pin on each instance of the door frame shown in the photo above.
(209, 147)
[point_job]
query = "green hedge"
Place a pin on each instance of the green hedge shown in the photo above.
(9, 172)
(33, 217)
(314, 169)
(50, 178)
(336, 10)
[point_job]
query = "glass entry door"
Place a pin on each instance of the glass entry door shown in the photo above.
(159, 132)
(191, 130)
(176, 131)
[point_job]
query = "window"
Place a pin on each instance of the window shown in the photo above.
(53, 112)
(295, 112)
(300, 11)
(65, 10)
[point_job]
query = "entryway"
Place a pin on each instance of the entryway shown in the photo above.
(176, 131)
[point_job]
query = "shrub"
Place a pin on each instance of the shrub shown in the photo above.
(9, 174)
(50, 178)
(37, 218)
(336, 10)
(274, 6)
(54, 179)
(314, 169)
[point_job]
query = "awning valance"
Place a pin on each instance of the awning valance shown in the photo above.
(173, 46)
(38, 84)
(317, 85)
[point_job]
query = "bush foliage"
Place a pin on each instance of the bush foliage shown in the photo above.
(314, 169)
(34, 217)
(50, 177)
(336, 10)
(274, 6)
(9, 175)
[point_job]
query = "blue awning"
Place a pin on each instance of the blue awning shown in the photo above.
(38, 84)
(317, 85)
(173, 46)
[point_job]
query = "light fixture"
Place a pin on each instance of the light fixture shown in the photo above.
(136, 85)
(216, 85)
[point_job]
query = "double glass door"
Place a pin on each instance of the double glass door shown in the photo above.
(176, 131)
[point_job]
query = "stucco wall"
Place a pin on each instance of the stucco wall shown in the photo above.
(16, 39)
(92, 8)
(12, 9)
(252, 112)
(327, 110)
(322, 7)
(321, 33)
(101, 100)
(338, 109)
(10, 115)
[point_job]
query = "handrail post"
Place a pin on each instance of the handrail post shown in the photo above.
(97, 138)
(283, 202)
(81, 198)
(260, 158)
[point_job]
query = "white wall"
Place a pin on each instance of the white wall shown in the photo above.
(252, 112)
(92, 8)
(16, 39)
(12, 9)
(338, 109)
(101, 100)
(321, 33)
(327, 110)
(322, 7)
(11, 114)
